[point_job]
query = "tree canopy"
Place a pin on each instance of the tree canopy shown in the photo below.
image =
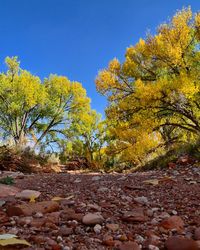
(154, 94)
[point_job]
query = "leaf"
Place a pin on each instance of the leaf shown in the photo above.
(32, 198)
(69, 197)
(57, 198)
(152, 182)
(7, 236)
(13, 241)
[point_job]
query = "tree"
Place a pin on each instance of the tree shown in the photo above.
(34, 112)
(87, 137)
(154, 94)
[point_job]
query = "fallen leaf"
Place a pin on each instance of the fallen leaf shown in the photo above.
(57, 198)
(13, 241)
(152, 182)
(32, 198)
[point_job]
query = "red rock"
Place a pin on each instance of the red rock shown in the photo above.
(70, 214)
(6, 190)
(56, 247)
(152, 240)
(53, 217)
(37, 223)
(38, 239)
(92, 219)
(65, 231)
(197, 234)
(112, 227)
(171, 165)
(32, 208)
(173, 222)
(177, 243)
(131, 245)
(136, 215)
(3, 217)
(108, 240)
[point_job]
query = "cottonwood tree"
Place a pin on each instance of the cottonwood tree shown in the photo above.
(36, 111)
(156, 89)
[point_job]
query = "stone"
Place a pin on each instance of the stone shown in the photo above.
(33, 208)
(197, 234)
(152, 247)
(94, 207)
(173, 222)
(6, 190)
(112, 227)
(27, 194)
(103, 189)
(142, 200)
(136, 215)
(65, 231)
(108, 240)
(177, 243)
(37, 223)
(96, 178)
(97, 229)
(2, 202)
(171, 165)
(130, 245)
(92, 219)
(24, 221)
(70, 214)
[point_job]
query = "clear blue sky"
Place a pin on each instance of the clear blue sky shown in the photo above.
(77, 38)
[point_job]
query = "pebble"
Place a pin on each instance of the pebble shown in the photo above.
(97, 229)
(92, 219)
(142, 200)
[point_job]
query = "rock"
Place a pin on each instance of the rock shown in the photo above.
(96, 178)
(27, 194)
(94, 207)
(171, 165)
(24, 221)
(173, 222)
(130, 245)
(152, 240)
(177, 243)
(77, 180)
(70, 214)
(92, 219)
(3, 217)
(38, 215)
(152, 247)
(122, 237)
(6, 190)
(197, 234)
(33, 208)
(38, 239)
(97, 229)
(108, 240)
(2, 202)
(53, 217)
(136, 215)
(142, 200)
(102, 189)
(65, 231)
(37, 223)
(112, 227)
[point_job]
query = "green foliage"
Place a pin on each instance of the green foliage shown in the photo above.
(37, 113)
(8, 180)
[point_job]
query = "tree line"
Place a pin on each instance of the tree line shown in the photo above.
(153, 102)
